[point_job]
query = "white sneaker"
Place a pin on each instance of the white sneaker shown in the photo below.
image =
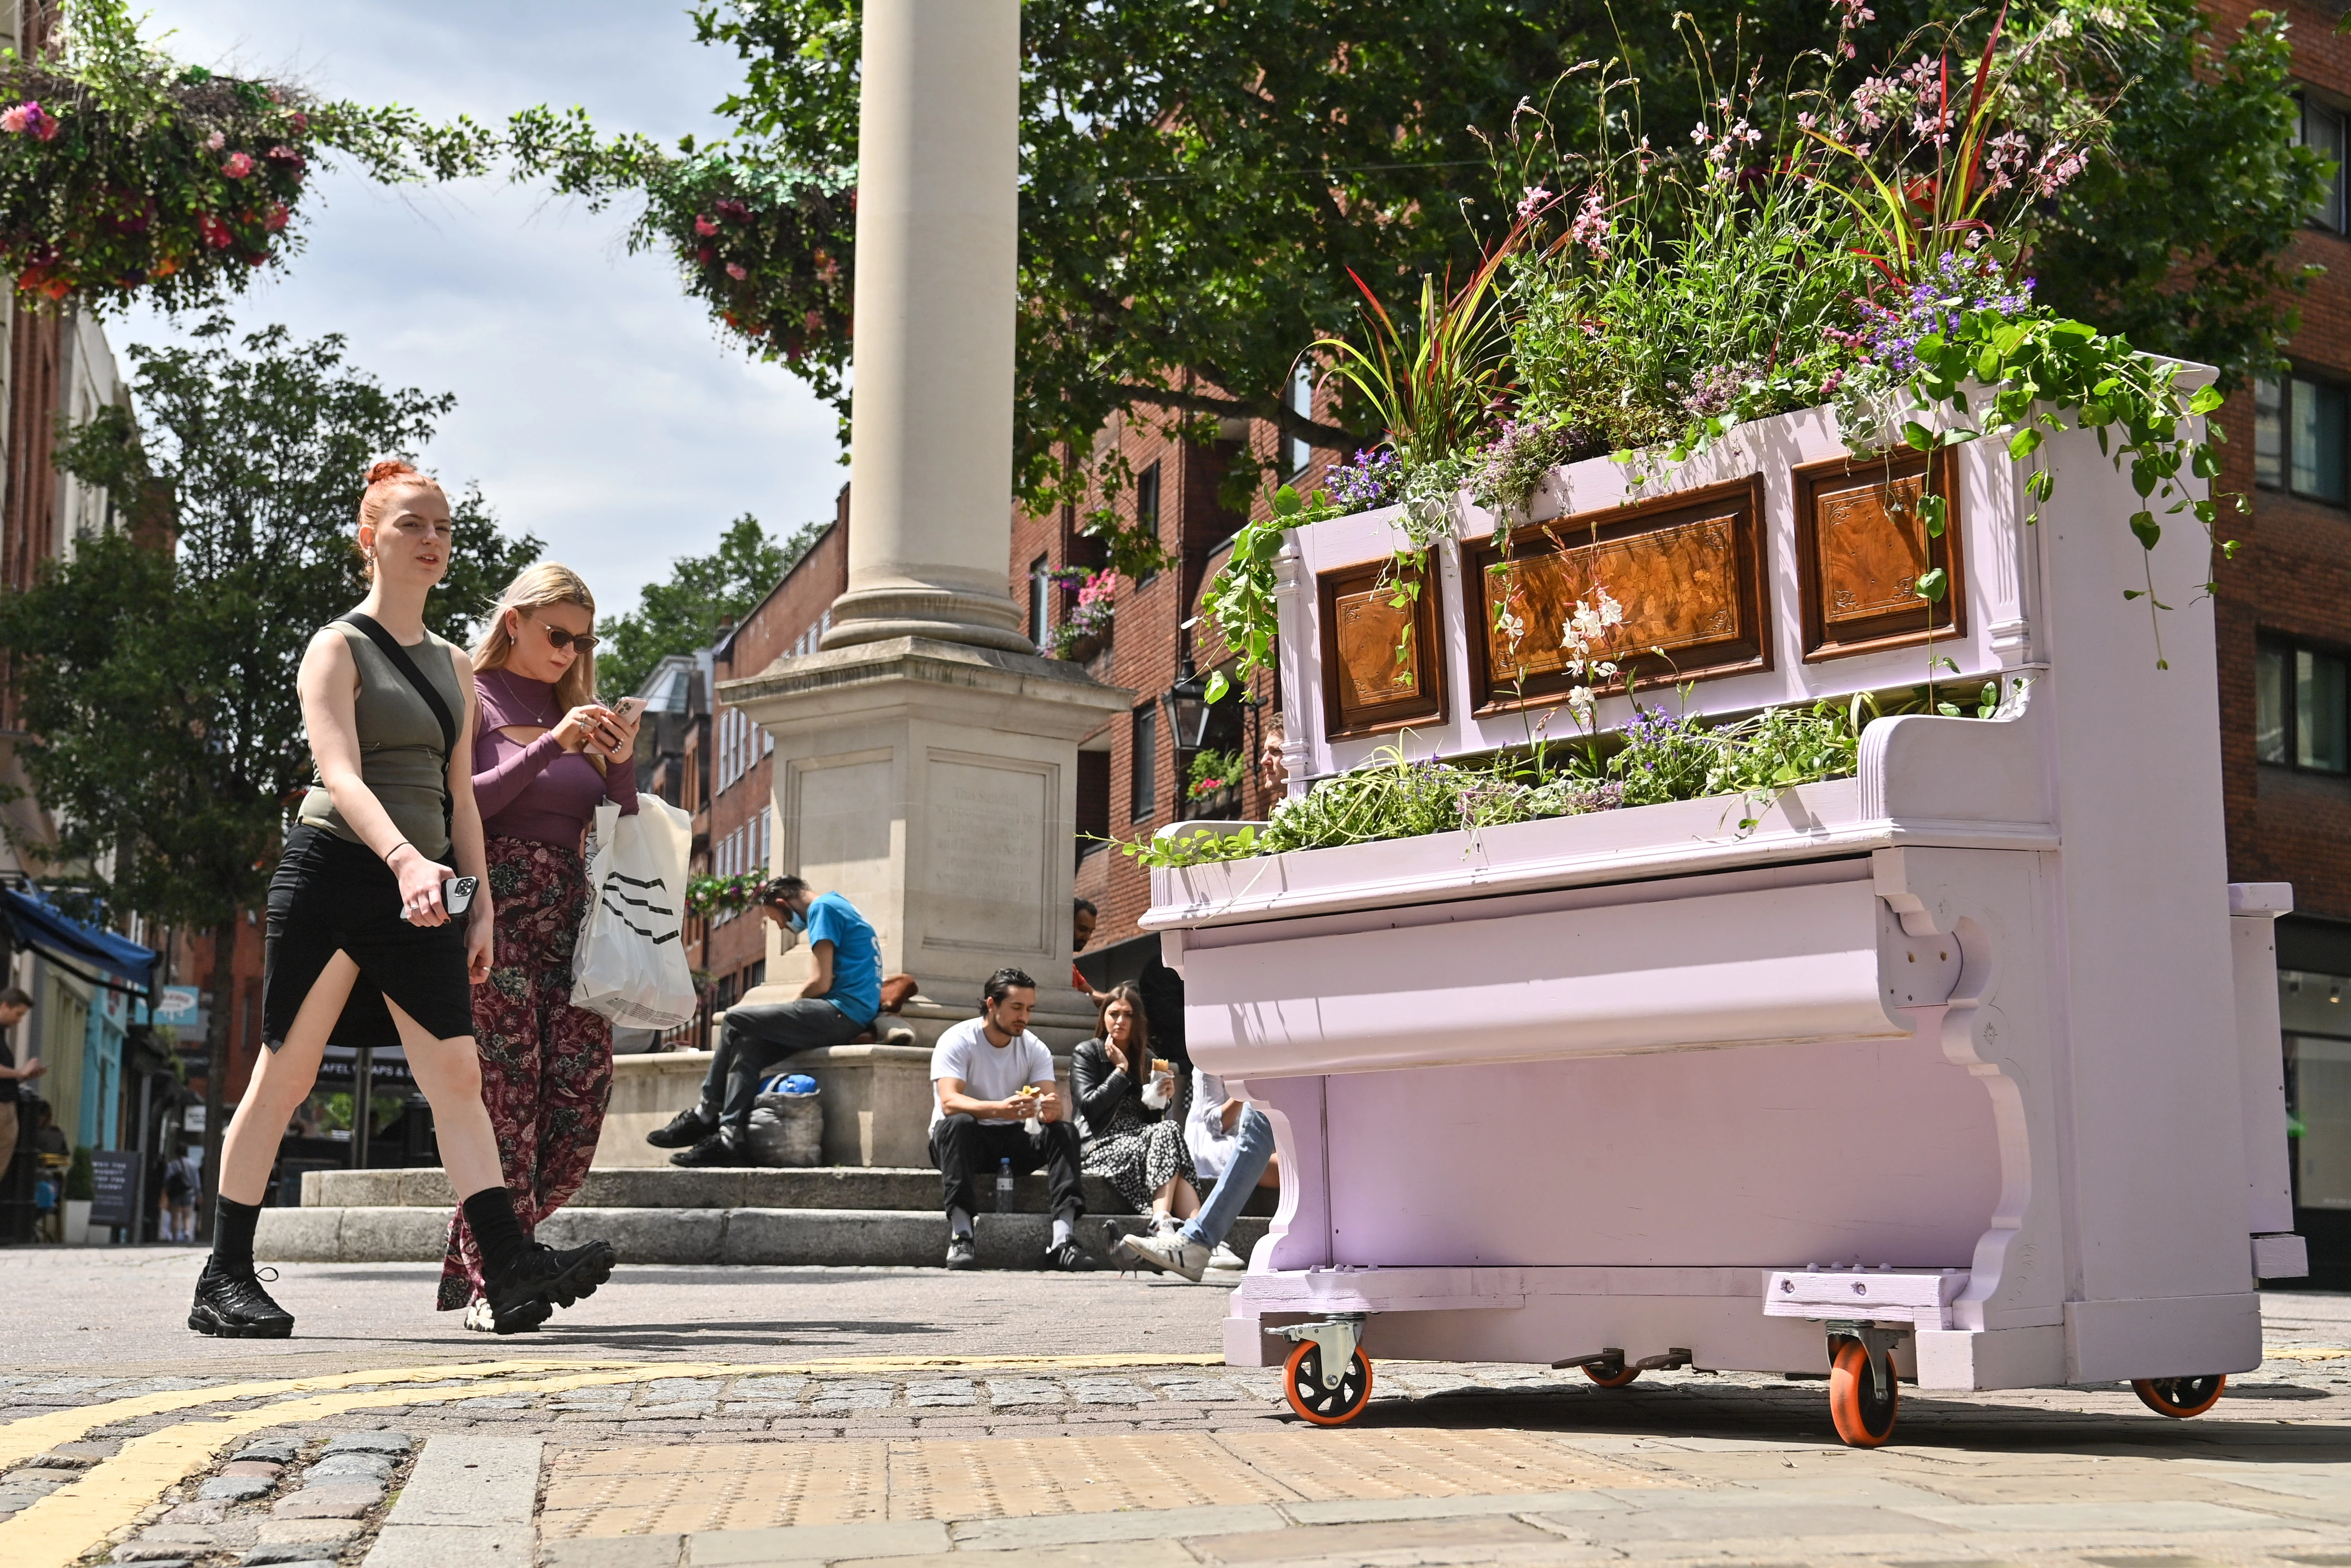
(479, 1318)
(1170, 1254)
(1224, 1257)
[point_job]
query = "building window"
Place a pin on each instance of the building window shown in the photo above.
(2299, 438)
(1302, 402)
(2322, 133)
(1146, 510)
(1041, 603)
(2301, 709)
(1143, 762)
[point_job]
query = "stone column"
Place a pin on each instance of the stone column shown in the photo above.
(925, 761)
(938, 212)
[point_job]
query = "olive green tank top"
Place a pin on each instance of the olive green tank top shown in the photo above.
(402, 758)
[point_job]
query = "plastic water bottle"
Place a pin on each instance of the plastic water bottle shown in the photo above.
(1004, 1186)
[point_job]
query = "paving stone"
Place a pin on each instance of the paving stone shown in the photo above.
(369, 1443)
(768, 1387)
(1004, 1391)
(840, 1398)
(236, 1488)
(211, 1511)
(471, 1479)
(1107, 1391)
(266, 1469)
(493, 1402)
(686, 1410)
(54, 1460)
(226, 1535)
(669, 1390)
(615, 1551)
(377, 1466)
(1204, 1393)
(814, 1544)
(329, 1500)
(295, 1553)
(1141, 1524)
(943, 1392)
(154, 1554)
(325, 1531)
(448, 1545)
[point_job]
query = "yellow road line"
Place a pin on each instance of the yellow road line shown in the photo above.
(2308, 1352)
(60, 1528)
(20, 1440)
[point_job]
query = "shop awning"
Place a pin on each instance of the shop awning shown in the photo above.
(84, 951)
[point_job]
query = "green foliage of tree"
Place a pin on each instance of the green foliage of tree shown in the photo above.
(703, 593)
(159, 681)
(1198, 181)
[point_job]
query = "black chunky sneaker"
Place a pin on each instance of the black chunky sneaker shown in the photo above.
(231, 1305)
(545, 1278)
(717, 1149)
(686, 1129)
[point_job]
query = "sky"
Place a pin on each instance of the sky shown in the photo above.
(596, 403)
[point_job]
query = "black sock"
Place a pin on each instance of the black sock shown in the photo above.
(490, 1214)
(232, 1224)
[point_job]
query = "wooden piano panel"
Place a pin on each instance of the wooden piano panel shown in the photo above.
(1685, 569)
(1861, 548)
(1381, 660)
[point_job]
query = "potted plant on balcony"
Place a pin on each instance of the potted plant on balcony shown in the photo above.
(1085, 634)
(1213, 788)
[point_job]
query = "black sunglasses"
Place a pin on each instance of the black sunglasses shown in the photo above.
(557, 637)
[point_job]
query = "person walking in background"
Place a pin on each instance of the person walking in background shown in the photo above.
(996, 1108)
(1232, 1144)
(361, 944)
(1083, 917)
(545, 754)
(183, 1181)
(13, 1005)
(1131, 1111)
(839, 1003)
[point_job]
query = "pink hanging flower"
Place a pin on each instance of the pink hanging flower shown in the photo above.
(276, 219)
(735, 270)
(705, 227)
(40, 123)
(12, 120)
(238, 166)
(215, 231)
(216, 140)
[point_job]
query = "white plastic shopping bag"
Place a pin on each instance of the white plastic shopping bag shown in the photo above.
(630, 965)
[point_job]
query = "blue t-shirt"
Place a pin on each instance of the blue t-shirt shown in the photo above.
(856, 957)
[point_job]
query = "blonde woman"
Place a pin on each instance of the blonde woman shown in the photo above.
(365, 946)
(545, 756)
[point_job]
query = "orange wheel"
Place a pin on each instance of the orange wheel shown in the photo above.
(2179, 1397)
(1864, 1419)
(1616, 1379)
(1301, 1383)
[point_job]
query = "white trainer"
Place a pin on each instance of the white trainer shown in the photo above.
(1169, 1253)
(1224, 1257)
(479, 1318)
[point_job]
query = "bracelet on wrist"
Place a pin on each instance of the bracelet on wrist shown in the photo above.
(402, 844)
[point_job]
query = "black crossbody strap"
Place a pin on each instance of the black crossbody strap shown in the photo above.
(393, 650)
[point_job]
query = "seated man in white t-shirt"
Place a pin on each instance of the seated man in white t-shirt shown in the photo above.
(991, 1076)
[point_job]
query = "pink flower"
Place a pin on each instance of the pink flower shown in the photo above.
(1590, 227)
(216, 140)
(735, 270)
(276, 219)
(12, 120)
(40, 124)
(238, 166)
(215, 231)
(705, 227)
(1534, 198)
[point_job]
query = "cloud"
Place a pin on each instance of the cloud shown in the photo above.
(595, 403)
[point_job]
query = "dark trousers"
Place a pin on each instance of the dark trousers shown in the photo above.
(963, 1147)
(752, 1040)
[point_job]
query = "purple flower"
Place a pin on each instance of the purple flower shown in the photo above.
(1374, 478)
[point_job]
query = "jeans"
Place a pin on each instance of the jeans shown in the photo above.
(1252, 1146)
(964, 1147)
(752, 1040)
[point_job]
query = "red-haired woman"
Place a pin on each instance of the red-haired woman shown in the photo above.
(545, 756)
(362, 947)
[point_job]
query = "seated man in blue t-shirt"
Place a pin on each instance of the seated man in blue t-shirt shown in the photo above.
(837, 1005)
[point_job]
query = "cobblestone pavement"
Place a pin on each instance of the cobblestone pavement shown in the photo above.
(852, 1419)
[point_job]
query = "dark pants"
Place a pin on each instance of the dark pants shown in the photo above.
(963, 1147)
(751, 1041)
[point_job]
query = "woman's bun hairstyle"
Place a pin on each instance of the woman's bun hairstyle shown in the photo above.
(390, 468)
(383, 476)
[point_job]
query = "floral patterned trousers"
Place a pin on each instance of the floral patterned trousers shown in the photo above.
(547, 1066)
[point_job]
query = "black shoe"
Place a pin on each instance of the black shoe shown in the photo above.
(234, 1306)
(963, 1252)
(717, 1149)
(1068, 1258)
(543, 1277)
(686, 1129)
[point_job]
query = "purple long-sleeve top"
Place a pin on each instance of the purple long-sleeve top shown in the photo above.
(537, 791)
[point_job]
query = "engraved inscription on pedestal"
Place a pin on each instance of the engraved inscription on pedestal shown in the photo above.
(1381, 657)
(1863, 545)
(985, 825)
(1683, 572)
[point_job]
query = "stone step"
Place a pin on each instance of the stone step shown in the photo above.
(776, 1237)
(859, 1188)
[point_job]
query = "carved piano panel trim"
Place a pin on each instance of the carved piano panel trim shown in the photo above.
(1861, 547)
(1383, 664)
(1687, 568)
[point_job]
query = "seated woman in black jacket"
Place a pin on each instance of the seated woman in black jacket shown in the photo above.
(1131, 1111)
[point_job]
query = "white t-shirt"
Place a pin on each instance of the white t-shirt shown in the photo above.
(1204, 1130)
(989, 1071)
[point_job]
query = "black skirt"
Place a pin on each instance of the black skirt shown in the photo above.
(331, 895)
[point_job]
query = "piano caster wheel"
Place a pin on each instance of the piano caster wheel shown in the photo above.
(1615, 1376)
(1301, 1383)
(1861, 1409)
(2179, 1397)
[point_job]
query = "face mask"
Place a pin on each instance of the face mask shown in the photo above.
(793, 920)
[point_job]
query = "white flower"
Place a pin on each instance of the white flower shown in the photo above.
(1699, 133)
(1579, 699)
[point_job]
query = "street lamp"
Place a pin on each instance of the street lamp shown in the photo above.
(1186, 705)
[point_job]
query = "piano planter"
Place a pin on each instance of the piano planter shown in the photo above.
(1964, 1070)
